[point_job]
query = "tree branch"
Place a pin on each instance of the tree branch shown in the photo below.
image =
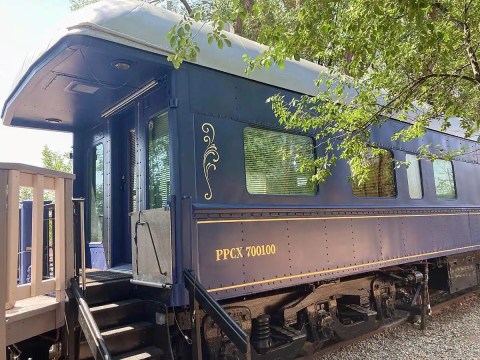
(187, 6)
(472, 56)
(465, 28)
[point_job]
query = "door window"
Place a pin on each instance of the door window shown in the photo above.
(132, 164)
(158, 161)
(96, 191)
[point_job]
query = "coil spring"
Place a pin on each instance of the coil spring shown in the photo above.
(261, 337)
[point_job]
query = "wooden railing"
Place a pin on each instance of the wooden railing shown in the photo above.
(13, 177)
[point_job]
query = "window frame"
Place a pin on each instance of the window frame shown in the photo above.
(279, 131)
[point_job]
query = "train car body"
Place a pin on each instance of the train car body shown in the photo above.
(198, 154)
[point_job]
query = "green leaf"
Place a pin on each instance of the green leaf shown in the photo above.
(173, 41)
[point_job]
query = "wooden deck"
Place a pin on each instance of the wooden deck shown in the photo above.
(35, 311)
(33, 316)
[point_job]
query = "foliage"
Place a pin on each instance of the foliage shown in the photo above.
(415, 60)
(52, 160)
(56, 161)
(77, 4)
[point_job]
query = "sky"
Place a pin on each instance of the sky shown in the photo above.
(23, 24)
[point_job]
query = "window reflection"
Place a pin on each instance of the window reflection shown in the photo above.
(444, 179)
(381, 182)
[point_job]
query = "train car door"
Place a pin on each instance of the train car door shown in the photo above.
(152, 257)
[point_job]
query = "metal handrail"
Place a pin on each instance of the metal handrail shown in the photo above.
(226, 323)
(92, 333)
(81, 203)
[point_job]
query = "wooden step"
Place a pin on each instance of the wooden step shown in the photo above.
(109, 291)
(150, 352)
(118, 313)
(123, 339)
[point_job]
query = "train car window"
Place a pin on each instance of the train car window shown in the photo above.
(272, 162)
(414, 177)
(96, 191)
(158, 161)
(444, 179)
(381, 182)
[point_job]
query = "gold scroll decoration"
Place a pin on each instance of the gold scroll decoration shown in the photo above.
(210, 156)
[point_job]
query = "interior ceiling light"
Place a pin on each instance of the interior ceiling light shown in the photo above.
(129, 99)
(53, 120)
(121, 64)
(78, 87)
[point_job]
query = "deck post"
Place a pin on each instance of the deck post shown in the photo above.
(69, 237)
(37, 235)
(13, 224)
(60, 254)
(3, 261)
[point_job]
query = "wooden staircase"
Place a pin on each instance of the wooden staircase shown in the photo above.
(125, 322)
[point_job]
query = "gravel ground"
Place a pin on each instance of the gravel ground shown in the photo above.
(452, 334)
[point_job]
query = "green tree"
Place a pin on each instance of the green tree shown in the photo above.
(177, 6)
(77, 4)
(415, 60)
(52, 160)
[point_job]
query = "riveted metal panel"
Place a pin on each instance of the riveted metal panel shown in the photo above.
(312, 235)
(356, 239)
(228, 253)
(474, 221)
(390, 237)
(418, 235)
(152, 246)
(451, 230)
(321, 245)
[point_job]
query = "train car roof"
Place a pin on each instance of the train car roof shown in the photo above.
(143, 26)
(136, 25)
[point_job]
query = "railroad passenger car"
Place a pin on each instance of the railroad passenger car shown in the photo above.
(202, 237)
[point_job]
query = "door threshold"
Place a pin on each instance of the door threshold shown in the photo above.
(123, 268)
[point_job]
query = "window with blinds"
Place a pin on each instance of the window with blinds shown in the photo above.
(414, 177)
(272, 162)
(381, 182)
(444, 180)
(158, 161)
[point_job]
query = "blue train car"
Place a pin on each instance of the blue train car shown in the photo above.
(190, 182)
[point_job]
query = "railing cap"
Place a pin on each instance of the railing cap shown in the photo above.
(30, 169)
